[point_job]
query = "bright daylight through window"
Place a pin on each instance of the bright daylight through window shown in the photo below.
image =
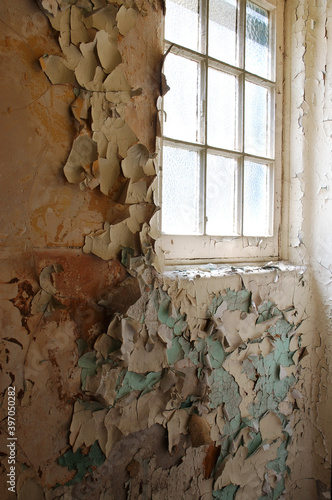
(218, 155)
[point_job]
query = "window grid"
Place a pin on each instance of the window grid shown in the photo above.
(239, 72)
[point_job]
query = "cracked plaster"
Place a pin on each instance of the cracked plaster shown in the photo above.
(190, 324)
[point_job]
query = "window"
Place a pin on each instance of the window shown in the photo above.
(221, 154)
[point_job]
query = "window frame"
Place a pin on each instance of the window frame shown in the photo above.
(184, 249)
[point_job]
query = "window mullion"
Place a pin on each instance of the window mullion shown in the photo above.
(204, 5)
(241, 109)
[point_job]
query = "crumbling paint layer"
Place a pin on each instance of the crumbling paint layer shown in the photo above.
(228, 377)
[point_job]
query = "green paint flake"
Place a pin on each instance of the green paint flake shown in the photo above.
(254, 443)
(83, 464)
(280, 329)
(279, 489)
(265, 311)
(225, 390)
(194, 357)
(180, 325)
(88, 363)
(175, 353)
(216, 352)
(238, 301)
(216, 302)
(82, 345)
(189, 402)
(249, 369)
(186, 347)
(170, 322)
(227, 493)
(88, 360)
(126, 253)
(279, 464)
(270, 390)
(163, 310)
(135, 382)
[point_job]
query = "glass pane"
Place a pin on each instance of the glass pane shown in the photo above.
(181, 24)
(258, 53)
(222, 30)
(181, 191)
(180, 102)
(257, 120)
(256, 199)
(221, 189)
(222, 106)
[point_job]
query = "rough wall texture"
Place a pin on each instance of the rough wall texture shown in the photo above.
(308, 158)
(204, 384)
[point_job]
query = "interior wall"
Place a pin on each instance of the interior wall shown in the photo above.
(308, 158)
(210, 383)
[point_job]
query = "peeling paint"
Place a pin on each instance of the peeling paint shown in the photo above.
(228, 364)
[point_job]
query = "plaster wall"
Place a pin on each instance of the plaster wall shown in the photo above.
(307, 185)
(211, 383)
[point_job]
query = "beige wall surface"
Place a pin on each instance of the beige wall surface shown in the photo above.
(130, 383)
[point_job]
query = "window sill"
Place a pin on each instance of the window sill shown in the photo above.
(207, 270)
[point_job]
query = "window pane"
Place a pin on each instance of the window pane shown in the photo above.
(222, 30)
(256, 199)
(181, 25)
(221, 195)
(222, 110)
(180, 102)
(181, 191)
(258, 54)
(257, 120)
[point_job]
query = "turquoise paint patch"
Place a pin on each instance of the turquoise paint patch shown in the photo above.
(224, 390)
(88, 363)
(279, 489)
(280, 329)
(126, 253)
(227, 493)
(180, 325)
(163, 310)
(135, 382)
(265, 311)
(186, 347)
(238, 301)
(276, 492)
(270, 390)
(175, 353)
(82, 345)
(249, 369)
(254, 443)
(279, 464)
(216, 302)
(82, 463)
(216, 351)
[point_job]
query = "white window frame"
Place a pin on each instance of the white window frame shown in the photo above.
(179, 249)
